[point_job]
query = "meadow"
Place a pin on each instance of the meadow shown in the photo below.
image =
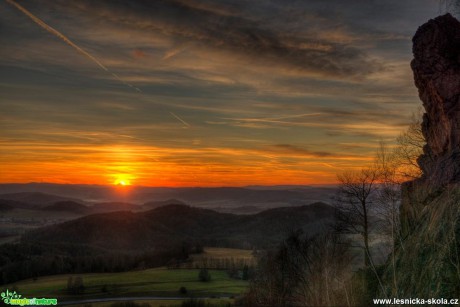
(156, 282)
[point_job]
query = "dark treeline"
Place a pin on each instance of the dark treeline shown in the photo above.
(32, 260)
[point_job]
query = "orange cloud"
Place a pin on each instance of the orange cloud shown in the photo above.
(160, 166)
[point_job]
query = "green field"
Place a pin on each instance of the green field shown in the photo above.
(151, 282)
(160, 282)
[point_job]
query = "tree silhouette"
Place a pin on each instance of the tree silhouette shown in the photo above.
(353, 205)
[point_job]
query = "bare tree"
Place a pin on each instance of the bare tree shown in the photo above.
(303, 272)
(329, 272)
(395, 167)
(388, 200)
(409, 147)
(356, 200)
(353, 200)
(388, 194)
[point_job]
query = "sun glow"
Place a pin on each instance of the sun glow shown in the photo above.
(122, 181)
(123, 167)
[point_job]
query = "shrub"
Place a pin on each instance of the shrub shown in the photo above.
(204, 275)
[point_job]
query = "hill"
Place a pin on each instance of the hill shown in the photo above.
(176, 223)
(7, 205)
(127, 240)
(36, 199)
(114, 206)
(68, 206)
(223, 199)
(160, 203)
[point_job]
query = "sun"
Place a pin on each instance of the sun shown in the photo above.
(122, 181)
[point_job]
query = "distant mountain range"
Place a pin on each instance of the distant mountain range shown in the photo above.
(35, 199)
(172, 214)
(27, 206)
(237, 200)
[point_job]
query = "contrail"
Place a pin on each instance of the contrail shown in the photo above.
(55, 32)
(180, 119)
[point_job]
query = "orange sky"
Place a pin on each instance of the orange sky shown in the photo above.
(222, 93)
(149, 166)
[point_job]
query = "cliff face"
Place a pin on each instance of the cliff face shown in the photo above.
(436, 67)
(426, 262)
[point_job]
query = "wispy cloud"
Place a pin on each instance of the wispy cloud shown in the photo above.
(205, 24)
(291, 149)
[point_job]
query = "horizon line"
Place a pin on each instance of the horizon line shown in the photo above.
(172, 187)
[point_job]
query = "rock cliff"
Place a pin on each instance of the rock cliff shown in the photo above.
(426, 261)
(436, 67)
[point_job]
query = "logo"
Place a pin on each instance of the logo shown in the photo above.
(13, 298)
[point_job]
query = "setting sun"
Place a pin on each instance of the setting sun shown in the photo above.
(123, 181)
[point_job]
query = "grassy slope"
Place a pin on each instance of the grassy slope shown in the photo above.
(159, 281)
(427, 262)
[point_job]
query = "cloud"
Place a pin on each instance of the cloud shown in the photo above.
(278, 88)
(240, 33)
(291, 149)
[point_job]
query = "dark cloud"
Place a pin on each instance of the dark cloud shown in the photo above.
(244, 31)
(295, 150)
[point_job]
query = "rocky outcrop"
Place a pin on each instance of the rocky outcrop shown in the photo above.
(436, 67)
(426, 261)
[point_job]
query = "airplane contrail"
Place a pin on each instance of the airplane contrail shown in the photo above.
(55, 32)
(64, 38)
(180, 119)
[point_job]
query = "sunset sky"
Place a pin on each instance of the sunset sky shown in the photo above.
(202, 92)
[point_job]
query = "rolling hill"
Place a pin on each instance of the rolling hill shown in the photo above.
(160, 203)
(36, 199)
(68, 206)
(151, 229)
(251, 199)
(126, 240)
